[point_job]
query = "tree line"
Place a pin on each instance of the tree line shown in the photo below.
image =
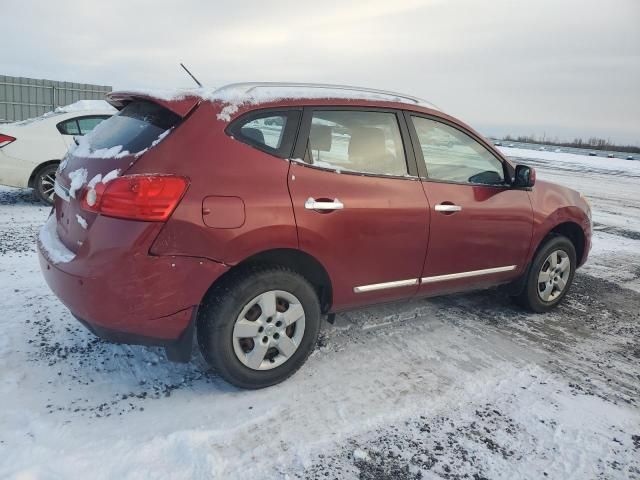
(592, 143)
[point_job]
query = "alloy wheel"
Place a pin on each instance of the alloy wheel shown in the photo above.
(47, 185)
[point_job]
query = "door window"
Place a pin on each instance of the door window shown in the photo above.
(353, 141)
(453, 156)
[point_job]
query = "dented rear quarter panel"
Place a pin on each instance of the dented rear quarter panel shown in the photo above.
(219, 166)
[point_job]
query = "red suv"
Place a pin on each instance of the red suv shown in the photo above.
(247, 213)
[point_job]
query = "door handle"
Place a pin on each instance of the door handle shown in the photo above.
(448, 208)
(313, 204)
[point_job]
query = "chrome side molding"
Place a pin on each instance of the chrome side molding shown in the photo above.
(437, 278)
(473, 273)
(382, 286)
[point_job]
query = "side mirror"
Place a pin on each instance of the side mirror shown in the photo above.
(525, 177)
(76, 139)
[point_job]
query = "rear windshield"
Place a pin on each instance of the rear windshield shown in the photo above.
(134, 128)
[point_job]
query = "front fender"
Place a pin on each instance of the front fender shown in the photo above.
(545, 224)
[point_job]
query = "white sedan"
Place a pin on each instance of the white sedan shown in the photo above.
(31, 150)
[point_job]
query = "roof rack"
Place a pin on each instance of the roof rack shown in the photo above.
(249, 86)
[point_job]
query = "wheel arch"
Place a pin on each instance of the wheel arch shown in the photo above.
(39, 167)
(574, 232)
(300, 262)
(569, 229)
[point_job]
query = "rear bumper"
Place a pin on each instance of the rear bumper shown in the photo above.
(122, 293)
(178, 350)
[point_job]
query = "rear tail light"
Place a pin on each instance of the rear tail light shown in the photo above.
(6, 140)
(150, 198)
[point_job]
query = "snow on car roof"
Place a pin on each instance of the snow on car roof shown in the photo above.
(263, 92)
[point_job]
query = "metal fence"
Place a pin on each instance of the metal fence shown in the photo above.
(22, 98)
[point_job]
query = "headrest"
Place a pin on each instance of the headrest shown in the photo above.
(254, 134)
(367, 142)
(320, 137)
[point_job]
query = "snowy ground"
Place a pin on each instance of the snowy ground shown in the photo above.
(456, 387)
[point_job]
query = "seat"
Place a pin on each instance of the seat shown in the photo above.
(368, 152)
(320, 138)
(254, 134)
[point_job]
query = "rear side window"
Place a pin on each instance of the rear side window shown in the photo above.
(69, 127)
(80, 125)
(134, 128)
(266, 131)
(87, 124)
(357, 141)
(272, 132)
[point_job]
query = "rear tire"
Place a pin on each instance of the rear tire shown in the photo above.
(550, 276)
(259, 325)
(43, 183)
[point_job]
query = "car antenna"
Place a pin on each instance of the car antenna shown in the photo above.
(191, 75)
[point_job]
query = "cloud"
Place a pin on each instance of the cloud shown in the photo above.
(520, 67)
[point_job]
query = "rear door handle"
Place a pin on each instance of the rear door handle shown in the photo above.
(313, 204)
(444, 207)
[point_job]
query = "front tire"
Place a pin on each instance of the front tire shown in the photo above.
(259, 325)
(43, 183)
(550, 276)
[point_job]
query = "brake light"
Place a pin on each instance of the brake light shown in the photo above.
(150, 198)
(6, 140)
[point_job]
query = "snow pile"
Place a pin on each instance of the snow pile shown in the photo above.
(359, 454)
(112, 175)
(83, 149)
(50, 243)
(106, 179)
(81, 221)
(84, 105)
(92, 196)
(94, 181)
(78, 178)
(63, 164)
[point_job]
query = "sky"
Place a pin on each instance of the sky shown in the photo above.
(559, 68)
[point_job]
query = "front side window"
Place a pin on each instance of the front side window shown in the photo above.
(453, 156)
(354, 141)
